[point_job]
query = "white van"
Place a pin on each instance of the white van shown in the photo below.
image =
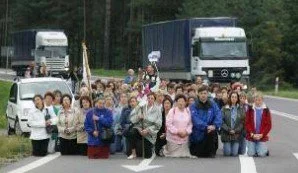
(20, 100)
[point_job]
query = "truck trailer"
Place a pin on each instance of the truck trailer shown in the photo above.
(40, 46)
(213, 48)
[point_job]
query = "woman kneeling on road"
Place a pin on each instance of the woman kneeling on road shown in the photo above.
(98, 119)
(179, 127)
(37, 122)
(67, 127)
(146, 121)
(232, 125)
(258, 126)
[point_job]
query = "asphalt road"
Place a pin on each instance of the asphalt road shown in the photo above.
(283, 145)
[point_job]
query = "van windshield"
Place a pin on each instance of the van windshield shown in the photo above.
(28, 90)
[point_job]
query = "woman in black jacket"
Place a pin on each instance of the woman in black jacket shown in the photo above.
(167, 104)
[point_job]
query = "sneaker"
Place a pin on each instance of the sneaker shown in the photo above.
(131, 157)
(268, 154)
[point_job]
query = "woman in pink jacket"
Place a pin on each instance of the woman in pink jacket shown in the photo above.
(179, 127)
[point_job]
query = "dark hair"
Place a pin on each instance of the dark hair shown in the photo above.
(114, 85)
(203, 88)
(167, 98)
(57, 92)
(214, 85)
(85, 98)
(66, 95)
(179, 96)
(229, 100)
(102, 84)
(35, 96)
(49, 94)
(179, 87)
(171, 85)
(152, 94)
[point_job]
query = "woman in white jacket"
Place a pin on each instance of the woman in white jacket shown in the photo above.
(36, 120)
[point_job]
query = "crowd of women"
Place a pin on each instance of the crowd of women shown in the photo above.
(144, 115)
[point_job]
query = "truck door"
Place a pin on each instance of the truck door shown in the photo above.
(12, 104)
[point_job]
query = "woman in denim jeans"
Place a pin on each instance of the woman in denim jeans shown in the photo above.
(232, 125)
(257, 125)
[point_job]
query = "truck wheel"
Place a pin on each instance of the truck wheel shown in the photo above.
(17, 128)
(10, 131)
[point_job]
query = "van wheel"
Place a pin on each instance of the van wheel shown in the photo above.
(17, 128)
(10, 131)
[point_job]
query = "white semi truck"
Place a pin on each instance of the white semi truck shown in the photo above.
(213, 48)
(38, 47)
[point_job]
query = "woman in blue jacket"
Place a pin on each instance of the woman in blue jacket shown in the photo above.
(97, 119)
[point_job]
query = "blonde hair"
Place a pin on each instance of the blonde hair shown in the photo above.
(258, 94)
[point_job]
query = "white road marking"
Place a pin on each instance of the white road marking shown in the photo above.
(143, 166)
(247, 163)
(296, 155)
(281, 98)
(283, 114)
(36, 163)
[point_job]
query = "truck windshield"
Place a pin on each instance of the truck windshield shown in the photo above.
(223, 49)
(28, 90)
(54, 51)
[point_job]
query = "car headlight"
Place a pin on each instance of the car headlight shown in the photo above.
(26, 112)
(233, 75)
(238, 75)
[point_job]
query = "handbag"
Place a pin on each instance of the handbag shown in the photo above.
(52, 128)
(107, 135)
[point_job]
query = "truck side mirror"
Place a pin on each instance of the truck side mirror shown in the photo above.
(195, 49)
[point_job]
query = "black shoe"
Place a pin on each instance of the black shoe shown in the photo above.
(268, 154)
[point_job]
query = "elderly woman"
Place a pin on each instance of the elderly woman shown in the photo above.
(67, 128)
(232, 125)
(98, 119)
(179, 127)
(85, 105)
(147, 121)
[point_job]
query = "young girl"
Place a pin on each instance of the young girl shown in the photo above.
(258, 126)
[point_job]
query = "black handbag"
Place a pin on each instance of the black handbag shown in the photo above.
(127, 130)
(52, 128)
(107, 135)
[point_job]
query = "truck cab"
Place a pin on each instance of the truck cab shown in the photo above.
(219, 54)
(51, 50)
(38, 48)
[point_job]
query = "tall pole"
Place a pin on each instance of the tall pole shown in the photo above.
(84, 20)
(5, 38)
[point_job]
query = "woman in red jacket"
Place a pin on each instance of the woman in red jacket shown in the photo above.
(258, 126)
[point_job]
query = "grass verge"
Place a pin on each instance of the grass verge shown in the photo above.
(293, 93)
(109, 73)
(4, 94)
(13, 148)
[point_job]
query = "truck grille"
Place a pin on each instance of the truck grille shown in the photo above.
(55, 64)
(223, 75)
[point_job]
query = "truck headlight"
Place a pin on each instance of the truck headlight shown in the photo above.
(233, 75)
(210, 73)
(26, 112)
(238, 75)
